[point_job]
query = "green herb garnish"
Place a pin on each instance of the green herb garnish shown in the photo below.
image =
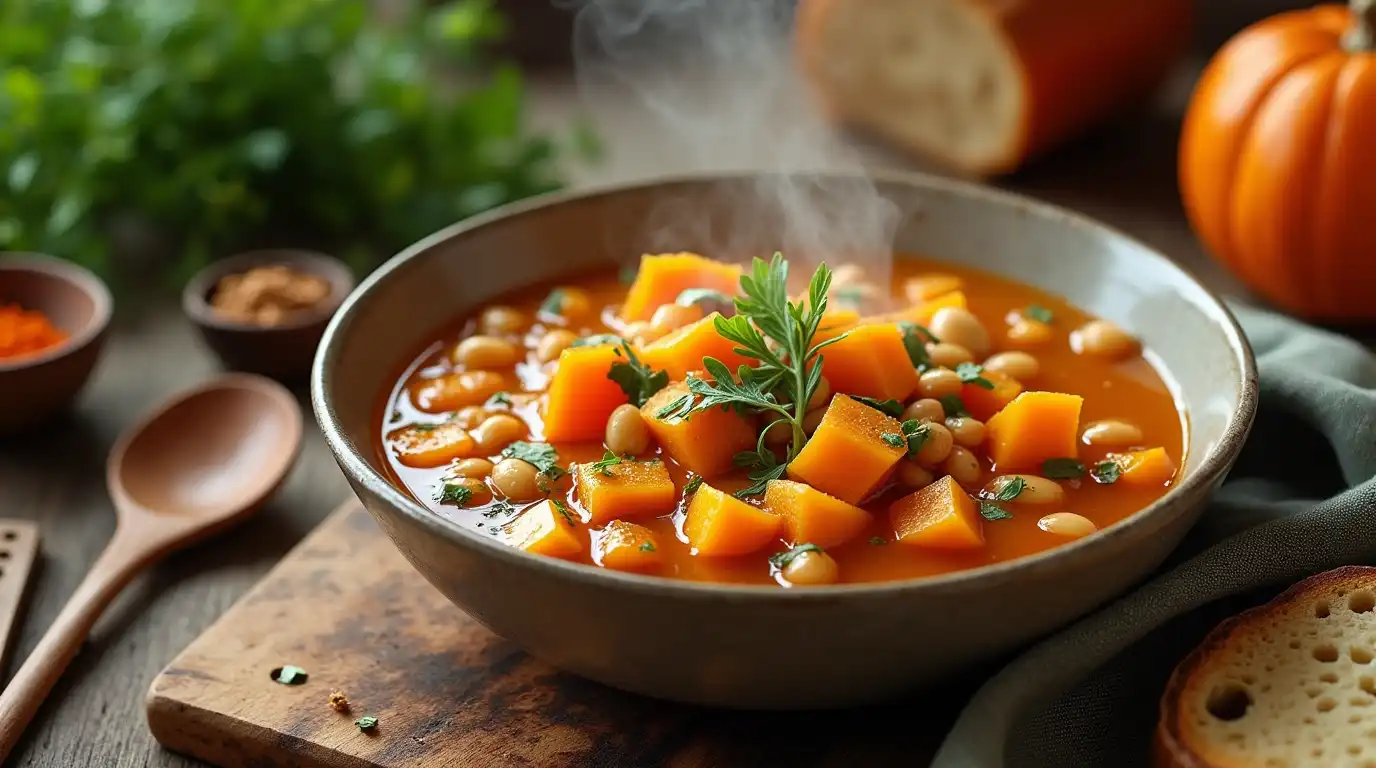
(916, 344)
(851, 295)
(428, 427)
(635, 378)
(608, 461)
(893, 440)
(366, 723)
(291, 675)
(563, 510)
(648, 546)
(991, 511)
(953, 406)
(887, 407)
(541, 455)
(693, 485)
(781, 560)
(499, 508)
(553, 303)
(915, 435)
(597, 340)
(765, 468)
(1106, 472)
(696, 296)
(1010, 489)
(501, 398)
(878, 541)
(973, 373)
(1039, 313)
(1063, 469)
(453, 493)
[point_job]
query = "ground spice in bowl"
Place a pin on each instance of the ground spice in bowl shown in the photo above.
(26, 332)
(268, 296)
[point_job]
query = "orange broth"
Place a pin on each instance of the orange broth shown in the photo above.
(1131, 390)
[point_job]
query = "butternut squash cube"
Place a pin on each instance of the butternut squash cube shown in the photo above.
(984, 403)
(836, 321)
(811, 516)
(720, 525)
(706, 442)
(548, 528)
(430, 445)
(1034, 427)
(664, 276)
(940, 516)
(922, 313)
(1151, 468)
(627, 547)
(581, 397)
(871, 361)
(848, 456)
(625, 490)
(683, 350)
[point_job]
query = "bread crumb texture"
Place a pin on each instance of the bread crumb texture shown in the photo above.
(1289, 684)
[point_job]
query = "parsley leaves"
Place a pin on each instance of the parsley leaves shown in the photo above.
(693, 485)
(915, 338)
(501, 398)
(893, 440)
(889, 407)
(1039, 313)
(553, 303)
(915, 435)
(991, 511)
(648, 546)
(1009, 490)
(953, 406)
(366, 723)
(541, 455)
(1063, 469)
(635, 378)
(1106, 472)
(453, 493)
(973, 373)
(563, 510)
(781, 560)
(608, 461)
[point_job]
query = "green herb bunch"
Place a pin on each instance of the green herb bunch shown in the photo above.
(214, 125)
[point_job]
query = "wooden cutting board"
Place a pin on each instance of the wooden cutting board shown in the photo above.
(349, 610)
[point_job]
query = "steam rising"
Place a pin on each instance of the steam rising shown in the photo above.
(718, 80)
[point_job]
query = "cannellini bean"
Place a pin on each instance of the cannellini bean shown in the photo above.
(1067, 524)
(948, 355)
(777, 435)
(821, 396)
(1028, 333)
(962, 466)
(847, 274)
(939, 382)
(1035, 490)
(626, 431)
(966, 431)
(478, 468)
(925, 409)
(671, 317)
(470, 416)
(926, 287)
(503, 321)
(913, 474)
(553, 344)
(810, 569)
(498, 431)
(1102, 339)
(1015, 365)
(812, 420)
(937, 447)
(486, 353)
(516, 480)
(1114, 433)
(954, 325)
(575, 305)
(480, 493)
(641, 332)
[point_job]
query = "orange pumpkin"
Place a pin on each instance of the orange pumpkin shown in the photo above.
(1278, 160)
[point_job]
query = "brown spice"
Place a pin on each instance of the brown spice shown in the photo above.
(268, 296)
(339, 702)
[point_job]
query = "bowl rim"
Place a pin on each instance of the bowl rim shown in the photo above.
(75, 275)
(1217, 460)
(195, 294)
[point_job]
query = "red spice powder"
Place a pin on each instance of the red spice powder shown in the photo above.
(26, 332)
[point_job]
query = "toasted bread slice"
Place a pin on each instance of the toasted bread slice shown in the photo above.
(1288, 684)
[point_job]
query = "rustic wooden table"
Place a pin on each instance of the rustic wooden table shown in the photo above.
(1125, 176)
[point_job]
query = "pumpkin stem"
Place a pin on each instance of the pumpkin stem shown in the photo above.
(1361, 37)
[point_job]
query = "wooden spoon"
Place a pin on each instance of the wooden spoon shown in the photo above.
(193, 467)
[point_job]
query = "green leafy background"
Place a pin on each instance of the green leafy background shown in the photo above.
(165, 133)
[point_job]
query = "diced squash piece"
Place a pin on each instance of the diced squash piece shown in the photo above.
(922, 313)
(811, 516)
(1034, 427)
(625, 546)
(1151, 468)
(984, 403)
(924, 288)
(683, 350)
(581, 397)
(940, 516)
(664, 276)
(871, 361)
(548, 528)
(453, 391)
(427, 445)
(720, 525)
(836, 321)
(704, 443)
(847, 456)
(626, 490)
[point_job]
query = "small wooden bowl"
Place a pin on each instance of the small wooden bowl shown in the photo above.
(35, 387)
(283, 352)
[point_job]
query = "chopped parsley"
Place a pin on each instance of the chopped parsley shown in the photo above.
(648, 546)
(893, 440)
(1106, 472)
(563, 510)
(1063, 469)
(290, 675)
(953, 406)
(499, 508)
(973, 373)
(1010, 489)
(540, 455)
(878, 541)
(677, 410)
(501, 398)
(693, 485)
(635, 378)
(1039, 313)
(764, 468)
(597, 340)
(916, 345)
(695, 296)
(915, 434)
(453, 493)
(608, 461)
(553, 303)
(887, 407)
(428, 427)
(366, 723)
(991, 511)
(781, 560)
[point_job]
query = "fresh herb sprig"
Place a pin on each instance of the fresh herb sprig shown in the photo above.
(635, 378)
(608, 461)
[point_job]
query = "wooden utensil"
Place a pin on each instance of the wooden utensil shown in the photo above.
(193, 467)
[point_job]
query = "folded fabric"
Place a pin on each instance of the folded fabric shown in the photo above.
(1300, 500)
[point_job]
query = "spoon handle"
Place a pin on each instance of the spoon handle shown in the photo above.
(122, 559)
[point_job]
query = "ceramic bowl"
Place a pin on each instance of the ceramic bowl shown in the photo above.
(766, 647)
(283, 352)
(35, 387)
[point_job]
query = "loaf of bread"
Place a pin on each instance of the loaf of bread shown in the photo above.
(979, 86)
(1288, 684)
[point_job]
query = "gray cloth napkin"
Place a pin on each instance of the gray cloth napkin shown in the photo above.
(1301, 500)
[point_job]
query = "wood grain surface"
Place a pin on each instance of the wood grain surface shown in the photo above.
(346, 607)
(18, 551)
(1124, 175)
